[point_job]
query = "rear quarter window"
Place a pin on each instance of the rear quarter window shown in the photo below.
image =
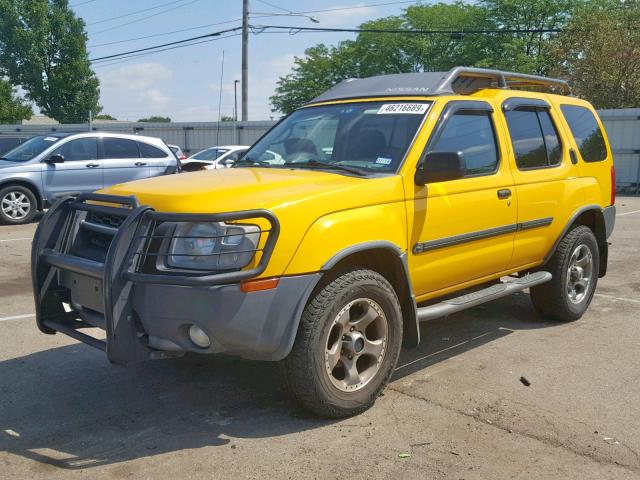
(586, 132)
(149, 151)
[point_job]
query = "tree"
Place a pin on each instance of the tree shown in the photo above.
(155, 119)
(227, 118)
(13, 109)
(599, 52)
(43, 49)
(528, 52)
(104, 116)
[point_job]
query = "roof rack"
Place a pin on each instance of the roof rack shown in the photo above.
(459, 80)
(468, 78)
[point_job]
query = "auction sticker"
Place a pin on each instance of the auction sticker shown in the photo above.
(415, 108)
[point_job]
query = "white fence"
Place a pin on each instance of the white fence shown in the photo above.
(623, 128)
(191, 136)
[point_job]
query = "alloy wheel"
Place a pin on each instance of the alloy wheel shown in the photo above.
(580, 272)
(15, 205)
(355, 344)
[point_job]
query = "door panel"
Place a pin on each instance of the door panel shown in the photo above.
(463, 229)
(80, 172)
(546, 181)
(122, 162)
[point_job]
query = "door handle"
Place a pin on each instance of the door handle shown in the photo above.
(92, 165)
(574, 156)
(504, 193)
(140, 164)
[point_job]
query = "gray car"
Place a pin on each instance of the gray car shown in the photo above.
(38, 171)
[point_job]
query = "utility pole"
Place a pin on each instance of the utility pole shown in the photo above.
(245, 60)
(90, 120)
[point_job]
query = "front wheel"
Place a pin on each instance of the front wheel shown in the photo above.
(575, 268)
(347, 345)
(17, 205)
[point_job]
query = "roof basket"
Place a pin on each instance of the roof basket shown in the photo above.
(459, 80)
(463, 80)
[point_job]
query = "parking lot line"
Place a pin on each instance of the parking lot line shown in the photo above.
(15, 239)
(17, 317)
(627, 213)
(622, 299)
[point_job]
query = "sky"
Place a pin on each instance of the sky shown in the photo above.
(184, 83)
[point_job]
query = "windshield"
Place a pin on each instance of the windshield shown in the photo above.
(371, 137)
(30, 149)
(210, 153)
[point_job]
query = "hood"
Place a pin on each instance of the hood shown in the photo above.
(234, 189)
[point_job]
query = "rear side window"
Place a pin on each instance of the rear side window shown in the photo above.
(79, 149)
(7, 144)
(534, 138)
(149, 151)
(120, 148)
(586, 132)
(471, 133)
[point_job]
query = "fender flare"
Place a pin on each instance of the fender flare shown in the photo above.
(572, 219)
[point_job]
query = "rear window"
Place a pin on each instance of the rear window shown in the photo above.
(120, 148)
(534, 138)
(149, 151)
(586, 132)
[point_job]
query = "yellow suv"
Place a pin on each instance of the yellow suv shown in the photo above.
(383, 203)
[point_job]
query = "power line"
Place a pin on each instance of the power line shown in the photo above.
(81, 3)
(163, 34)
(257, 29)
(274, 6)
(134, 13)
(144, 18)
(144, 54)
(177, 42)
(253, 16)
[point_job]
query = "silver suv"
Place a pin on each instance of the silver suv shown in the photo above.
(35, 173)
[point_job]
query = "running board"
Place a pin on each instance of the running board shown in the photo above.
(453, 305)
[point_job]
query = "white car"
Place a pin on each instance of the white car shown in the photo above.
(211, 158)
(177, 151)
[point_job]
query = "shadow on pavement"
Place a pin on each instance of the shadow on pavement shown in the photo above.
(67, 407)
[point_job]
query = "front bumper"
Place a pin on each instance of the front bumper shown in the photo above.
(147, 315)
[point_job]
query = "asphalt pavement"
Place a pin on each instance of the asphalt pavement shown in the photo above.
(456, 407)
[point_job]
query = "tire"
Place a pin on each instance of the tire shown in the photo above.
(565, 298)
(18, 205)
(354, 321)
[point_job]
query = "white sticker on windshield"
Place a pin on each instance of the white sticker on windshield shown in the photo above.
(50, 139)
(384, 160)
(415, 108)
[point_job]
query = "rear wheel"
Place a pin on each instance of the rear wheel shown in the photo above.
(17, 205)
(574, 267)
(347, 345)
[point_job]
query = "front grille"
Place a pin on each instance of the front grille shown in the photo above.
(107, 220)
(95, 234)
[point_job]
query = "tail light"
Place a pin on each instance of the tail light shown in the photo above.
(613, 184)
(183, 157)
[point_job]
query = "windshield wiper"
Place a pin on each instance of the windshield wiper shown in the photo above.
(249, 161)
(318, 163)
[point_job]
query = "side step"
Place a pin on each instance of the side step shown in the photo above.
(453, 305)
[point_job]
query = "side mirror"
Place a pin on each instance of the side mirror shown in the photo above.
(56, 158)
(440, 167)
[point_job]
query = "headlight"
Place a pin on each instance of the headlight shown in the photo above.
(212, 246)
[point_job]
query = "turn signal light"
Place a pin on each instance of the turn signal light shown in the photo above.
(258, 285)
